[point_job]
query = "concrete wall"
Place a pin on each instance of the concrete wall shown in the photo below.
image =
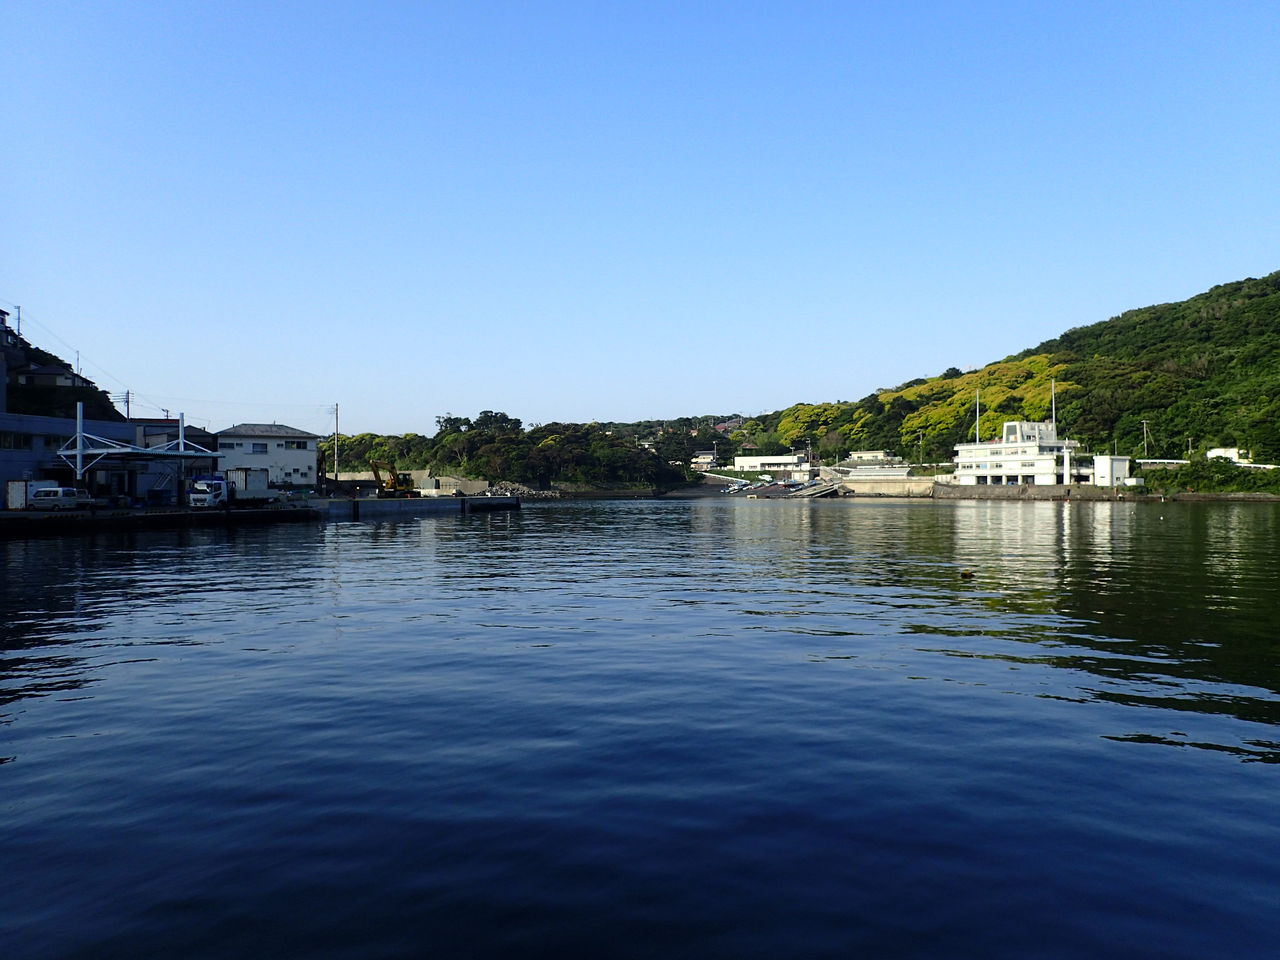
(1057, 491)
(423, 480)
(391, 509)
(887, 487)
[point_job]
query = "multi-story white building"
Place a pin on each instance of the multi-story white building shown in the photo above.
(287, 452)
(1031, 453)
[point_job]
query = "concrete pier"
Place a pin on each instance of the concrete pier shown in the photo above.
(25, 524)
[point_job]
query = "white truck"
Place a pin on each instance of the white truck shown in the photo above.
(240, 487)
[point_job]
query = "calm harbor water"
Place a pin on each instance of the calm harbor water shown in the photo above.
(649, 729)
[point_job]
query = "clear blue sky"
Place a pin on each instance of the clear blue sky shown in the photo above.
(613, 211)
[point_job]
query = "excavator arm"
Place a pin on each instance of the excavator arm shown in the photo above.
(391, 483)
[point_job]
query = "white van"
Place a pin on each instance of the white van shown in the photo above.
(59, 498)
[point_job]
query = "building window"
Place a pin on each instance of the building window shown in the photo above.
(296, 445)
(259, 448)
(14, 441)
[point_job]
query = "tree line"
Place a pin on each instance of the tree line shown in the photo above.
(1162, 381)
(496, 447)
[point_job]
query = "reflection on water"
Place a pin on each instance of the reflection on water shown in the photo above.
(765, 728)
(1167, 606)
(1171, 606)
(70, 609)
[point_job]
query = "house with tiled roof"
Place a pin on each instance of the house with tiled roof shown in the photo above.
(703, 460)
(46, 375)
(287, 452)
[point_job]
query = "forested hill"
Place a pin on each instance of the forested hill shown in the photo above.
(1204, 372)
(23, 362)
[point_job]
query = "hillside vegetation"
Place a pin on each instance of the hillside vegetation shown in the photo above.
(1204, 372)
(494, 446)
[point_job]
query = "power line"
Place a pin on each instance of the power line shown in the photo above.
(27, 318)
(154, 401)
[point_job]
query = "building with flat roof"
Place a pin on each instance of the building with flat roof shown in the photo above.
(1029, 452)
(794, 466)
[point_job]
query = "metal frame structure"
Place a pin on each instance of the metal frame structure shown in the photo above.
(85, 445)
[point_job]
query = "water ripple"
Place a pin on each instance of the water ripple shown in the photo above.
(636, 729)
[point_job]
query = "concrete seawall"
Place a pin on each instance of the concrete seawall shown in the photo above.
(1057, 491)
(886, 487)
(390, 509)
(23, 525)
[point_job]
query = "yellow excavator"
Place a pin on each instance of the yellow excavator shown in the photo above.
(391, 483)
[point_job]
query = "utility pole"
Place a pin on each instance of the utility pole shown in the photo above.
(921, 448)
(335, 446)
(1144, 436)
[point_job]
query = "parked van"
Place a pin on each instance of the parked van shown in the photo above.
(59, 498)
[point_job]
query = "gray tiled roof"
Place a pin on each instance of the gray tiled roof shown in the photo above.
(265, 430)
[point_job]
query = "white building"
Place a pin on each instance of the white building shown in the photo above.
(1031, 453)
(1112, 472)
(869, 456)
(793, 466)
(287, 452)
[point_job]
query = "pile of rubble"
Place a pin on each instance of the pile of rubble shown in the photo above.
(508, 489)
